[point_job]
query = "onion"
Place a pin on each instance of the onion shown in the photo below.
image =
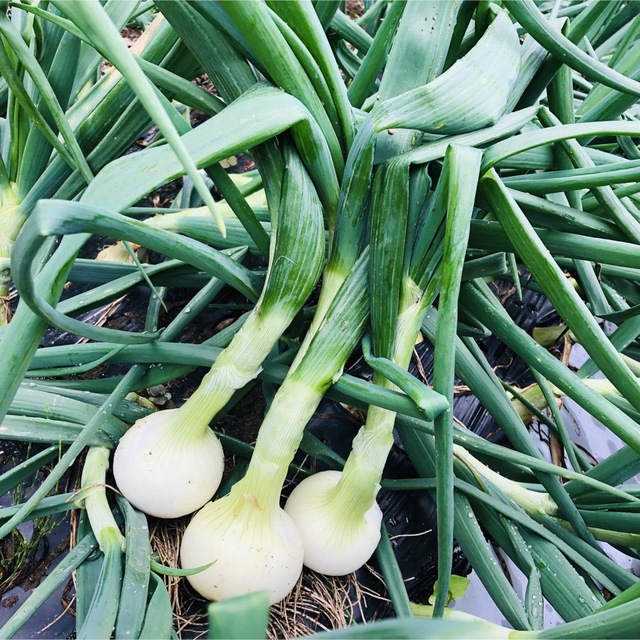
(164, 471)
(336, 541)
(251, 541)
(171, 465)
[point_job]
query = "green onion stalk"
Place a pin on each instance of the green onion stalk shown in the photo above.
(336, 512)
(252, 543)
(170, 463)
(401, 95)
(616, 619)
(197, 223)
(11, 220)
(370, 144)
(540, 504)
(103, 608)
(348, 238)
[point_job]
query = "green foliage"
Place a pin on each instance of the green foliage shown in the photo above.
(241, 618)
(463, 143)
(458, 586)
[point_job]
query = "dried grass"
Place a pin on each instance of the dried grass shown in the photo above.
(316, 603)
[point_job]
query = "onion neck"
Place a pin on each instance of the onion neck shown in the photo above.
(410, 318)
(235, 367)
(332, 280)
(532, 502)
(278, 440)
(94, 497)
(358, 486)
(12, 219)
(258, 492)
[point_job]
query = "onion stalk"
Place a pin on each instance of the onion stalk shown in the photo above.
(158, 472)
(203, 227)
(534, 503)
(251, 541)
(346, 511)
(336, 512)
(11, 220)
(101, 614)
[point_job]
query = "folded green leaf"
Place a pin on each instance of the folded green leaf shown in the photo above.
(470, 95)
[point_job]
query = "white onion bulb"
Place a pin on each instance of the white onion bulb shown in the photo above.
(252, 548)
(334, 543)
(165, 472)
